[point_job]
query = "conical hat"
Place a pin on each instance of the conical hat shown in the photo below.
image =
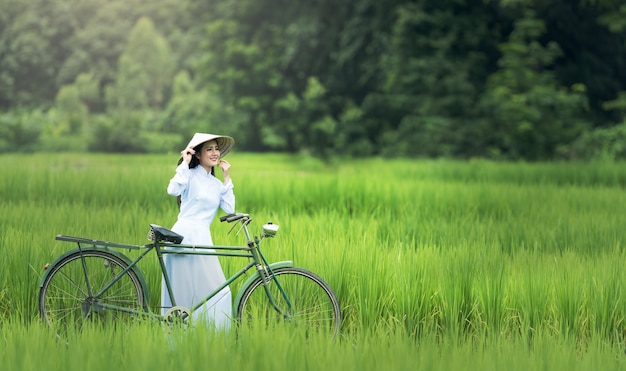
(225, 143)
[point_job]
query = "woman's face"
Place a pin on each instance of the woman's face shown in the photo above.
(209, 155)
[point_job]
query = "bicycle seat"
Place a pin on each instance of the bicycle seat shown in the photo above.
(158, 233)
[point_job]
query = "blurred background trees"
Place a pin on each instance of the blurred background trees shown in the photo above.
(502, 79)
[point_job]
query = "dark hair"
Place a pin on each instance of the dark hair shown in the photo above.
(192, 164)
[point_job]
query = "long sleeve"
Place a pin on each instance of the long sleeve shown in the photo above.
(180, 181)
(227, 202)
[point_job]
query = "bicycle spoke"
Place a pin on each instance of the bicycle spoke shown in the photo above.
(70, 281)
(65, 299)
(311, 303)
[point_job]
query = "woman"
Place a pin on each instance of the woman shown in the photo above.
(201, 195)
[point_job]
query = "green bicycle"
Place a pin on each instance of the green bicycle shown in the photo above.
(95, 282)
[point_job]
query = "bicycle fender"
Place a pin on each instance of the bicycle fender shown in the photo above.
(255, 275)
(125, 258)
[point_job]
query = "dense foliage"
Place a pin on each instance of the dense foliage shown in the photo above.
(506, 79)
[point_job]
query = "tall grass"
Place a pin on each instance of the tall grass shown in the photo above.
(143, 347)
(488, 261)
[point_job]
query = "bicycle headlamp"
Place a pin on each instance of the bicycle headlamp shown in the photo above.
(270, 229)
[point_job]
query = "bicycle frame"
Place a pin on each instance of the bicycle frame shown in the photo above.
(251, 251)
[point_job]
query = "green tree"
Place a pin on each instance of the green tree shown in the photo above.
(119, 132)
(31, 49)
(434, 72)
(20, 130)
(144, 72)
(309, 125)
(191, 109)
(103, 32)
(262, 55)
(98, 43)
(606, 142)
(88, 90)
(364, 77)
(529, 114)
(71, 111)
(592, 50)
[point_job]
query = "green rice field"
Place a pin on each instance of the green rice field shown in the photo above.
(438, 264)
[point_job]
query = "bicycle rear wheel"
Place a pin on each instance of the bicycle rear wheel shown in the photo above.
(70, 295)
(308, 302)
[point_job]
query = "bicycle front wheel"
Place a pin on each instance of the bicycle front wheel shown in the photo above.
(89, 286)
(301, 299)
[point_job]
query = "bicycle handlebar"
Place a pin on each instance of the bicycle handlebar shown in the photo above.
(233, 217)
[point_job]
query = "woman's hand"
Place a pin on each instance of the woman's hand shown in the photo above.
(187, 153)
(226, 168)
(224, 165)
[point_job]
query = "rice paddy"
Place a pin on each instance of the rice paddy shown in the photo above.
(438, 264)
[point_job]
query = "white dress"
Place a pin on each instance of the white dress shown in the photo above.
(194, 277)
